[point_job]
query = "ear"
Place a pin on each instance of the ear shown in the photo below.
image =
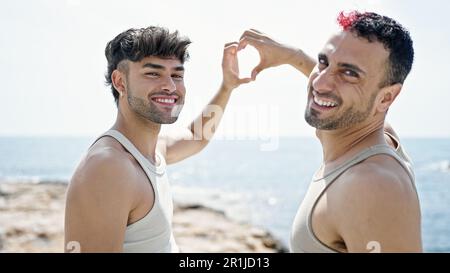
(387, 96)
(118, 80)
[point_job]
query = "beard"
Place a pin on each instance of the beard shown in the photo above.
(147, 110)
(349, 117)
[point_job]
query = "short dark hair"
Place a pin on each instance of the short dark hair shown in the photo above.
(395, 38)
(136, 44)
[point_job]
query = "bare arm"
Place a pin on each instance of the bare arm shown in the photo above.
(203, 128)
(98, 204)
(378, 212)
(273, 53)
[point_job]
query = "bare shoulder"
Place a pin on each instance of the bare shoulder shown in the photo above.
(376, 201)
(380, 177)
(105, 170)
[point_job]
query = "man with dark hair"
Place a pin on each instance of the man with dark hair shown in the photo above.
(119, 197)
(363, 196)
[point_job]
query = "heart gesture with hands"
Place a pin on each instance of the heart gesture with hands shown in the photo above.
(271, 53)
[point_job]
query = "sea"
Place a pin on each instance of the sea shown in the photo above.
(244, 179)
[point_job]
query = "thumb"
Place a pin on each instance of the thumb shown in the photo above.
(256, 71)
(245, 80)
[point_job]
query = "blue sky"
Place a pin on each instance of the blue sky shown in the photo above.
(52, 61)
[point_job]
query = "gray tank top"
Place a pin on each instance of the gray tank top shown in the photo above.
(152, 233)
(303, 238)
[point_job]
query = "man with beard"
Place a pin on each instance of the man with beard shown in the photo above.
(119, 197)
(363, 196)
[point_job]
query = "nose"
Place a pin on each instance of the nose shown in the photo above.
(323, 81)
(168, 84)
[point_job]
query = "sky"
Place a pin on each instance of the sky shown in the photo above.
(52, 62)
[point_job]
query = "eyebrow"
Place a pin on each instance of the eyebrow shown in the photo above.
(162, 67)
(343, 65)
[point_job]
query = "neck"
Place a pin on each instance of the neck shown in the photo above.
(338, 143)
(141, 132)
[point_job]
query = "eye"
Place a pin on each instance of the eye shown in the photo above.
(351, 73)
(322, 63)
(152, 74)
(178, 77)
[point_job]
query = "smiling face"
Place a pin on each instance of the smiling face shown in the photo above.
(155, 88)
(343, 87)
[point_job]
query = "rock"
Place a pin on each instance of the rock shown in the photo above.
(32, 220)
(201, 229)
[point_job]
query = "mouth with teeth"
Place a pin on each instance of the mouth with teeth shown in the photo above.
(322, 103)
(166, 101)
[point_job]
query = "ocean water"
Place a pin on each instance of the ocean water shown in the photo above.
(263, 188)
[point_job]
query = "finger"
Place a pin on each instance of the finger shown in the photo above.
(256, 71)
(248, 41)
(255, 30)
(252, 33)
(231, 48)
(230, 43)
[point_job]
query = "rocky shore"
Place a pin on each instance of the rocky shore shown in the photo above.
(32, 220)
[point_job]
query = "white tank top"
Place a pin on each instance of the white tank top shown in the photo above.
(152, 233)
